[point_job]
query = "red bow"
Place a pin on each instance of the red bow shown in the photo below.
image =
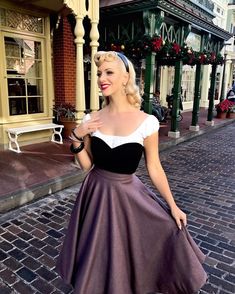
(157, 43)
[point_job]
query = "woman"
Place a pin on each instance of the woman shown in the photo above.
(121, 239)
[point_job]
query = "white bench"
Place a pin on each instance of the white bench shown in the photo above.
(13, 134)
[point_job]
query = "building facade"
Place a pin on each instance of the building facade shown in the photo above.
(41, 52)
(179, 31)
(47, 49)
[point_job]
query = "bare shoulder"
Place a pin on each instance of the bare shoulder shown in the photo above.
(143, 114)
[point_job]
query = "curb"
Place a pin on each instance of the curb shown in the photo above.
(16, 199)
(22, 197)
(208, 129)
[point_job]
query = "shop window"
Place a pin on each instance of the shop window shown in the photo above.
(24, 75)
(188, 83)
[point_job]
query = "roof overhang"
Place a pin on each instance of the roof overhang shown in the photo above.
(187, 11)
(40, 5)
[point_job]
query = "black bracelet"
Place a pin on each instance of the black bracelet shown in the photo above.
(78, 149)
(78, 138)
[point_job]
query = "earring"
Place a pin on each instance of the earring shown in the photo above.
(124, 87)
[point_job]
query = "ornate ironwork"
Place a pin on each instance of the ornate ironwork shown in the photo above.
(19, 21)
(188, 11)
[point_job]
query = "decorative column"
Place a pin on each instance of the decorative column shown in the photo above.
(205, 84)
(94, 36)
(224, 77)
(80, 11)
(196, 102)
(148, 82)
(174, 132)
(210, 121)
(152, 23)
(223, 87)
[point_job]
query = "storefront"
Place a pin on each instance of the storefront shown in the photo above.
(26, 78)
(42, 53)
(45, 47)
(175, 43)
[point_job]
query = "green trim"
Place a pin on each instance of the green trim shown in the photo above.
(197, 94)
(186, 11)
(148, 82)
(212, 93)
(176, 96)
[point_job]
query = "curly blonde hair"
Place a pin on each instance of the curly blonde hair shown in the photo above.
(132, 90)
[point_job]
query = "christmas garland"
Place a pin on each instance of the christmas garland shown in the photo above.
(167, 53)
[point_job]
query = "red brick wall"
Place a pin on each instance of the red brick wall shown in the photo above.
(64, 56)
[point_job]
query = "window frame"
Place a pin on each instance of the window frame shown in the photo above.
(30, 37)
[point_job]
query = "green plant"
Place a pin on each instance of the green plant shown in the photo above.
(65, 111)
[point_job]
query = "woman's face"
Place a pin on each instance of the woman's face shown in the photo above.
(111, 77)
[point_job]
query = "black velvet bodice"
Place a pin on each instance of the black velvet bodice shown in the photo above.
(122, 159)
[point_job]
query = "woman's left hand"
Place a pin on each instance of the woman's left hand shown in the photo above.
(179, 216)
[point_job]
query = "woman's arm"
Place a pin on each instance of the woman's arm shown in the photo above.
(84, 157)
(159, 179)
(82, 132)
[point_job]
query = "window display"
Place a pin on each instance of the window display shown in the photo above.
(24, 76)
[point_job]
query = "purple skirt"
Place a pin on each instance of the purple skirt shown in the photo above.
(122, 239)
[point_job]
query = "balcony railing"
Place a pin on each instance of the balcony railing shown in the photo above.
(206, 3)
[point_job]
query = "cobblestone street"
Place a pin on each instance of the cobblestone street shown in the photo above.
(201, 173)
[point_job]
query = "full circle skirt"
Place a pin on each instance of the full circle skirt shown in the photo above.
(122, 239)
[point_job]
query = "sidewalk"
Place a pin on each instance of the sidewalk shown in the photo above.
(45, 168)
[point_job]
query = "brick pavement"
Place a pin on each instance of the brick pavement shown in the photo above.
(201, 174)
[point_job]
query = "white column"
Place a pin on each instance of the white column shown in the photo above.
(228, 79)
(94, 36)
(80, 84)
(164, 84)
(80, 11)
(205, 85)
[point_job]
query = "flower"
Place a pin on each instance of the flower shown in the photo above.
(176, 48)
(167, 52)
(157, 43)
(224, 106)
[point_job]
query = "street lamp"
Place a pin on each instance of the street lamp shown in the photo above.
(224, 70)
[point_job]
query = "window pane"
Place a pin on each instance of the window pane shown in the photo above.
(24, 75)
(32, 49)
(17, 106)
(16, 87)
(33, 68)
(12, 47)
(34, 87)
(35, 105)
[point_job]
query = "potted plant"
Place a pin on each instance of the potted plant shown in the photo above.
(223, 108)
(65, 113)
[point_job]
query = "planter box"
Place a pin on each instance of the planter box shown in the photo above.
(68, 126)
(230, 115)
(221, 115)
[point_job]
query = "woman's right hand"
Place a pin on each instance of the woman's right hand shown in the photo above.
(87, 127)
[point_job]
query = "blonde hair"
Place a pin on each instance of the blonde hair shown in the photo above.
(131, 89)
